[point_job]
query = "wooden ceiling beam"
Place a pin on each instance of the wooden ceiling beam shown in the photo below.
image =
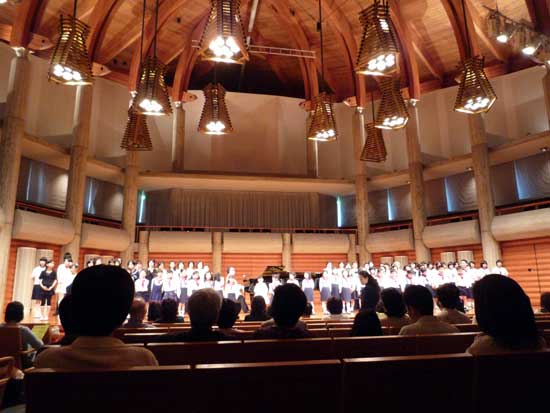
(29, 12)
(498, 50)
(453, 8)
(539, 12)
(37, 42)
(100, 15)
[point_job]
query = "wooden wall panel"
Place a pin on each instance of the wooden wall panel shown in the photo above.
(13, 259)
(411, 255)
(89, 251)
(250, 265)
(477, 250)
(542, 251)
(315, 262)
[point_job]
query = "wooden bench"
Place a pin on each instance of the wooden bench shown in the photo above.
(264, 387)
(11, 345)
(7, 365)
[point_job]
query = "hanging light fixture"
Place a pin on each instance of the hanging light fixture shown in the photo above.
(152, 94)
(374, 149)
(223, 37)
(379, 53)
(136, 135)
(543, 53)
(70, 63)
(323, 123)
(392, 113)
(499, 27)
(475, 93)
(528, 41)
(215, 118)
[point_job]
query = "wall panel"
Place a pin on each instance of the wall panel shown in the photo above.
(476, 248)
(410, 254)
(315, 262)
(251, 265)
(97, 252)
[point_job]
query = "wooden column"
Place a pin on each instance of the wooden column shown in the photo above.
(287, 251)
(484, 189)
(361, 190)
(546, 88)
(129, 209)
(143, 247)
(77, 165)
(312, 153)
(178, 138)
(217, 252)
(416, 178)
(13, 131)
(352, 251)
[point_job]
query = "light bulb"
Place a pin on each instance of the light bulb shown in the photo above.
(529, 50)
(77, 76)
(67, 76)
(384, 24)
(502, 38)
(381, 66)
(232, 45)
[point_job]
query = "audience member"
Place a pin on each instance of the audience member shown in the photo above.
(335, 307)
(229, 313)
(204, 309)
(258, 311)
(366, 324)
(545, 302)
(370, 293)
(169, 312)
(505, 317)
(138, 311)
(67, 321)
(448, 300)
(393, 307)
(288, 305)
(94, 347)
(13, 315)
(420, 306)
(308, 311)
(153, 312)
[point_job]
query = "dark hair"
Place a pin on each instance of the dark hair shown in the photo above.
(394, 306)
(335, 305)
(14, 312)
(504, 312)
(168, 311)
(370, 295)
(289, 304)
(66, 314)
(545, 302)
(448, 296)
(419, 298)
(366, 323)
(229, 313)
(137, 310)
(153, 313)
(309, 310)
(258, 309)
(113, 287)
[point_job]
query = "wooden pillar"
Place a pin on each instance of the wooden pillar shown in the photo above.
(352, 251)
(287, 251)
(416, 178)
(77, 165)
(361, 190)
(10, 155)
(178, 138)
(546, 88)
(217, 247)
(484, 189)
(129, 209)
(143, 247)
(312, 153)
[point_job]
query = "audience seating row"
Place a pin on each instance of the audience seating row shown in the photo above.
(454, 383)
(7, 365)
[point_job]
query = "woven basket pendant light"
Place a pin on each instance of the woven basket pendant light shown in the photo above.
(70, 62)
(374, 149)
(136, 134)
(223, 37)
(392, 113)
(152, 94)
(475, 93)
(323, 122)
(379, 53)
(215, 118)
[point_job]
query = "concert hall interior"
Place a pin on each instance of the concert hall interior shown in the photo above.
(274, 197)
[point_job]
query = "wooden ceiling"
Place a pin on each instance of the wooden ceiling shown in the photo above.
(431, 35)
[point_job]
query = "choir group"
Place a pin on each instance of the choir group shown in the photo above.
(178, 281)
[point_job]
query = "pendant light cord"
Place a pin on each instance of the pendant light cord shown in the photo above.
(372, 104)
(156, 29)
(74, 8)
(322, 48)
(467, 33)
(142, 31)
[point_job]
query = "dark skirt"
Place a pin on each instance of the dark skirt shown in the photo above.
(335, 291)
(309, 294)
(346, 294)
(36, 292)
(171, 295)
(156, 293)
(325, 294)
(144, 295)
(232, 297)
(465, 292)
(183, 296)
(46, 297)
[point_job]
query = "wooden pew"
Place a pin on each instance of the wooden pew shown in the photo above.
(11, 345)
(7, 365)
(444, 343)
(352, 347)
(264, 387)
(400, 384)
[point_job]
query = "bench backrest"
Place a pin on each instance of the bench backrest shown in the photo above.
(11, 344)
(6, 367)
